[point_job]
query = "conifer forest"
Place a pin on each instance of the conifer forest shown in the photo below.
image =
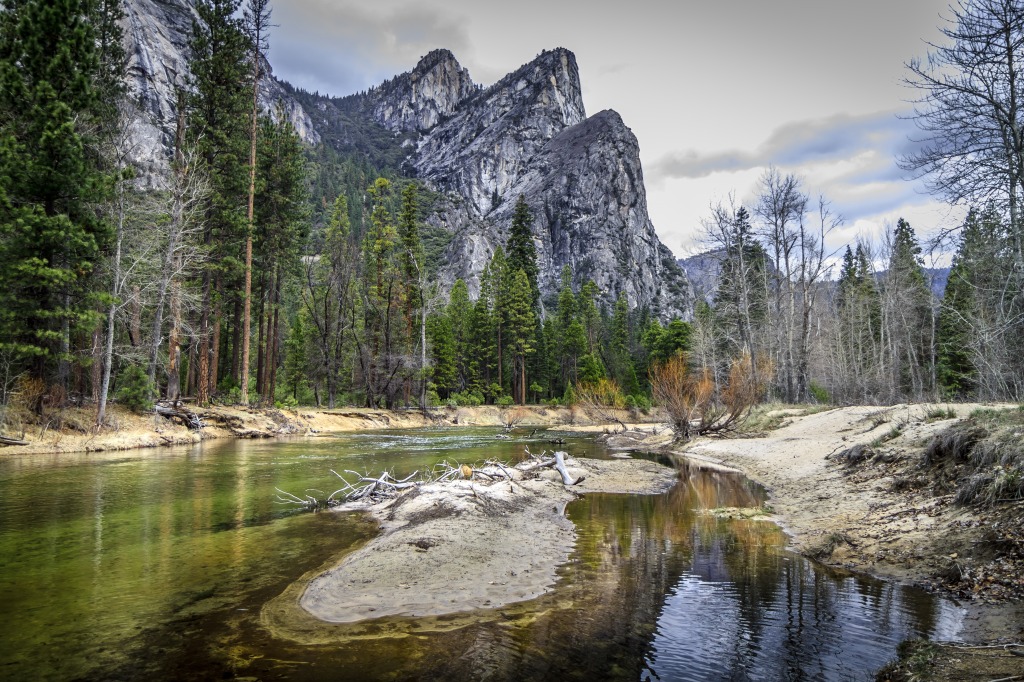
(267, 271)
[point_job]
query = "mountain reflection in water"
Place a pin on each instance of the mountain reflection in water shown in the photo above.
(176, 564)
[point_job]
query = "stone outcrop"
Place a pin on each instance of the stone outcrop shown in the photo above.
(157, 36)
(479, 148)
(424, 97)
(529, 134)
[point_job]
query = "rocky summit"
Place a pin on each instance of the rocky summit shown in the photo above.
(478, 148)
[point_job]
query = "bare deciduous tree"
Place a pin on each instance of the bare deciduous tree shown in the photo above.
(971, 108)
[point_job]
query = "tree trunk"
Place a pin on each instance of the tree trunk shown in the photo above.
(203, 366)
(97, 362)
(275, 338)
(115, 291)
(173, 372)
(215, 344)
(236, 342)
(257, 37)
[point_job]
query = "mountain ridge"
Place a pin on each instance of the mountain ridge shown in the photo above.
(477, 147)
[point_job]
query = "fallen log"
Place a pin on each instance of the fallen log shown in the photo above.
(560, 468)
(189, 419)
(6, 440)
(542, 462)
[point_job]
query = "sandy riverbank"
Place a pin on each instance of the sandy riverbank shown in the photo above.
(860, 518)
(73, 431)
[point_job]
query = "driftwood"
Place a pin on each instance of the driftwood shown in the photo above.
(187, 418)
(560, 468)
(557, 461)
(7, 440)
(365, 487)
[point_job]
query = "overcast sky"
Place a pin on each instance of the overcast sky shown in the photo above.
(714, 91)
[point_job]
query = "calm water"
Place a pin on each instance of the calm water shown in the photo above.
(177, 564)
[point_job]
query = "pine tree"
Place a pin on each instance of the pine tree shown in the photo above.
(460, 312)
(444, 369)
(56, 72)
(520, 250)
(620, 357)
(282, 223)
(588, 314)
(741, 302)
(218, 125)
(907, 316)
(411, 245)
(522, 324)
(296, 356)
(383, 355)
(501, 279)
(972, 360)
(257, 24)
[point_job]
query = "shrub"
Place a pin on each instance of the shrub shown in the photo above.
(696, 405)
(468, 399)
(134, 389)
(819, 393)
(287, 403)
(504, 401)
(939, 414)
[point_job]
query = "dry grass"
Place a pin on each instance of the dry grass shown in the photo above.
(981, 458)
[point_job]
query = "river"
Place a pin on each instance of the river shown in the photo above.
(178, 564)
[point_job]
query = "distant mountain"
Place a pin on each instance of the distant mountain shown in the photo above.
(937, 279)
(477, 148)
(703, 269)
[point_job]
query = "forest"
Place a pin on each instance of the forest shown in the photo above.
(265, 272)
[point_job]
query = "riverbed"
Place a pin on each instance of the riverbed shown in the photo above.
(177, 563)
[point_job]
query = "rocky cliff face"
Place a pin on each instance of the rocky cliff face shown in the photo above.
(157, 34)
(528, 134)
(480, 148)
(424, 97)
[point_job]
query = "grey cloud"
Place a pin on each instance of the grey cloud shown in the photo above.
(854, 207)
(795, 144)
(339, 48)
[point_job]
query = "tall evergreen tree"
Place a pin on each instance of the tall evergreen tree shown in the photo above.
(522, 324)
(741, 303)
(975, 345)
(257, 24)
(57, 70)
(281, 212)
(520, 250)
(908, 316)
(484, 357)
(219, 116)
(460, 312)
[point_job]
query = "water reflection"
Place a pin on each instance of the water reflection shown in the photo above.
(177, 564)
